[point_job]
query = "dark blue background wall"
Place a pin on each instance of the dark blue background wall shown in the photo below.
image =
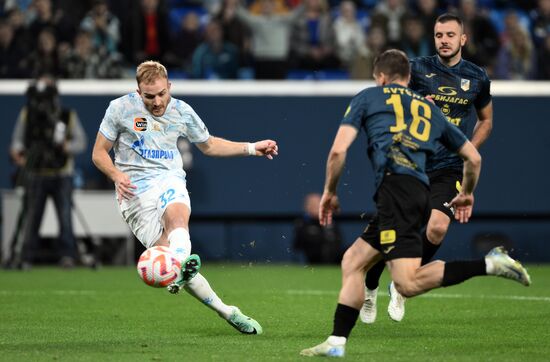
(514, 177)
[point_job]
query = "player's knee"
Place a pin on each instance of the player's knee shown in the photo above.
(436, 231)
(407, 288)
(350, 261)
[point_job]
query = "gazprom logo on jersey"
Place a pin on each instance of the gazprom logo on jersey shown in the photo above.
(150, 153)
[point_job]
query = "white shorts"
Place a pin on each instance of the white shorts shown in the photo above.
(143, 213)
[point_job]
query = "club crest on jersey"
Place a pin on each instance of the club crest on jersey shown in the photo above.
(465, 84)
(140, 124)
(156, 126)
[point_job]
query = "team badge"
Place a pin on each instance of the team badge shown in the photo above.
(465, 84)
(140, 124)
(156, 126)
(387, 236)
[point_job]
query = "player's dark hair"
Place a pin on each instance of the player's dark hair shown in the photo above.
(393, 63)
(444, 18)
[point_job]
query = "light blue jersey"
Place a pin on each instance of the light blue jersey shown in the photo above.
(145, 145)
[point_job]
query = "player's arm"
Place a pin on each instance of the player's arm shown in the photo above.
(464, 201)
(335, 164)
(484, 125)
(219, 147)
(102, 160)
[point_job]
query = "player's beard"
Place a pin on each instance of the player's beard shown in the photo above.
(447, 57)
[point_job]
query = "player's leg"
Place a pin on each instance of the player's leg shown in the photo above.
(411, 280)
(357, 259)
(62, 193)
(444, 185)
(436, 230)
(175, 234)
(369, 308)
(35, 197)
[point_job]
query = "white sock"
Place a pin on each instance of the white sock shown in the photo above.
(180, 243)
(371, 291)
(336, 340)
(199, 288)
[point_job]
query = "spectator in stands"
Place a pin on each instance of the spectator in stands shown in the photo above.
(44, 60)
(280, 7)
(483, 42)
(320, 244)
(516, 57)
(46, 16)
(186, 40)
(540, 22)
(103, 27)
(150, 36)
(85, 61)
(414, 41)
(350, 36)
(388, 14)
(45, 139)
(313, 41)
(270, 39)
(428, 13)
(543, 65)
(214, 58)
(21, 34)
(9, 53)
(362, 65)
(235, 31)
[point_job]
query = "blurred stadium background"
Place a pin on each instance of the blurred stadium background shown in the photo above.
(243, 209)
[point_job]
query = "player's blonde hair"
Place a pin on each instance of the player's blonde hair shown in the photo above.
(149, 71)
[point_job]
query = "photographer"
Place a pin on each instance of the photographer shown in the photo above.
(45, 139)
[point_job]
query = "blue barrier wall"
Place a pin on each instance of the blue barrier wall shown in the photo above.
(513, 183)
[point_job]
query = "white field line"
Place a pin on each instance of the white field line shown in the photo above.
(47, 292)
(298, 292)
(433, 295)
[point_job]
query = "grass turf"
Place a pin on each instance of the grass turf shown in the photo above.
(83, 315)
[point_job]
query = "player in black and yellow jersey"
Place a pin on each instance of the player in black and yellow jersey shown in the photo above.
(461, 90)
(403, 129)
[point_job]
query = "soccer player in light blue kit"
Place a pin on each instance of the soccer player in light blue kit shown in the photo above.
(142, 128)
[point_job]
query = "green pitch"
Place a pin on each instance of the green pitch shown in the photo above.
(48, 314)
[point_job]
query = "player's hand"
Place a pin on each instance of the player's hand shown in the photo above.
(123, 186)
(329, 206)
(463, 205)
(430, 99)
(267, 148)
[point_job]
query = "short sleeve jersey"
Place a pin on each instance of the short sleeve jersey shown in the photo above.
(145, 146)
(402, 129)
(458, 91)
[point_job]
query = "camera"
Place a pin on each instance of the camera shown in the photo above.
(46, 130)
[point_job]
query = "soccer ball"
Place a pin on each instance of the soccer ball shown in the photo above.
(158, 267)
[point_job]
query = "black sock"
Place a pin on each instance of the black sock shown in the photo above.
(344, 320)
(373, 275)
(458, 271)
(428, 249)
